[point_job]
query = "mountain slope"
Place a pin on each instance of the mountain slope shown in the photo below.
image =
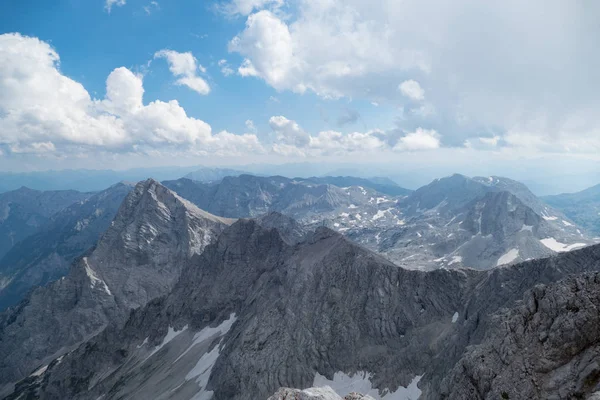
(24, 210)
(136, 260)
(250, 196)
(546, 346)
(252, 313)
(46, 255)
(478, 223)
(582, 207)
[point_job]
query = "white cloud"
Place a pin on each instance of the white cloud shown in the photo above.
(250, 126)
(292, 140)
(412, 89)
(226, 70)
(185, 66)
(362, 49)
(421, 139)
(110, 3)
(246, 7)
(267, 45)
(43, 111)
(289, 132)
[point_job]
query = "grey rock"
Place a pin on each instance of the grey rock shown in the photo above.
(544, 348)
(253, 313)
(138, 259)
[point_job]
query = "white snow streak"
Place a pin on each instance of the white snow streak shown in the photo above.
(94, 280)
(509, 257)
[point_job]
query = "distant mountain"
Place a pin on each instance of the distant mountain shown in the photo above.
(582, 207)
(253, 313)
(249, 196)
(139, 258)
(208, 175)
(47, 254)
(381, 185)
(24, 211)
(432, 227)
(85, 180)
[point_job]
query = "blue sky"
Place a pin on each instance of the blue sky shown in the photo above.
(400, 84)
(92, 42)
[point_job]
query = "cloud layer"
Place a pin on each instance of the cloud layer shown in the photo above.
(521, 71)
(42, 111)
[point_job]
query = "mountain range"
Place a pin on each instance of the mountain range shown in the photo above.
(454, 221)
(254, 312)
(234, 288)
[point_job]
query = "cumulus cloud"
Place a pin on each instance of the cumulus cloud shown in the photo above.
(362, 49)
(44, 111)
(110, 3)
(292, 140)
(185, 67)
(289, 132)
(412, 89)
(421, 139)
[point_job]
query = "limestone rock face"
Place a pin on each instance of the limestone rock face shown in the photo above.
(547, 347)
(137, 259)
(253, 313)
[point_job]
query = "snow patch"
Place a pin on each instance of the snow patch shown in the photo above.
(509, 257)
(380, 214)
(567, 223)
(171, 334)
(360, 382)
(352, 206)
(203, 368)
(549, 218)
(455, 317)
(526, 228)
(455, 260)
(209, 332)
(559, 247)
(40, 371)
(94, 280)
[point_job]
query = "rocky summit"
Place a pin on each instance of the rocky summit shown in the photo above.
(138, 259)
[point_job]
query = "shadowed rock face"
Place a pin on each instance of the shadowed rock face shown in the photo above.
(47, 255)
(137, 259)
(544, 348)
(253, 313)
